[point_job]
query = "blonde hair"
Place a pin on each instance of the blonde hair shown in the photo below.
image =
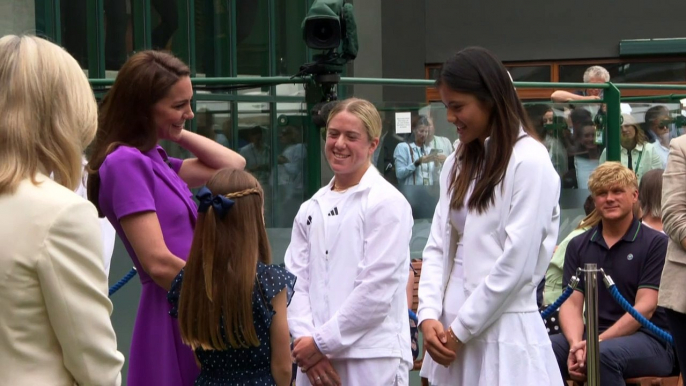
(592, 219)
(611, 174)
(640, 138)
(362, 109)
(49, 113)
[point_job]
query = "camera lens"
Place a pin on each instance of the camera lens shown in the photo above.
(322, 32)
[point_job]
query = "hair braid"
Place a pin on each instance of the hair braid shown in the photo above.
(243, 193)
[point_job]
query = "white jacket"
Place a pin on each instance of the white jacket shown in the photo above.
(506, 249)
(350, 295)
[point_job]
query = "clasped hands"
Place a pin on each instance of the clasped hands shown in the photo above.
(313, 363)
(442, 347)
(576, 361)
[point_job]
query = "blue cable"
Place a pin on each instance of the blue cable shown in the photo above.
(123, 281)
(640, 318)
(551, 308)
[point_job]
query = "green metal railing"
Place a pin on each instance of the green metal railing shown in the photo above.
(227, 86)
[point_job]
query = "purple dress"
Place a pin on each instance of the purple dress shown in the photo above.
(132, 182)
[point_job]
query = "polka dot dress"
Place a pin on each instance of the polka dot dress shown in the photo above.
(250, 366)
(552, 323)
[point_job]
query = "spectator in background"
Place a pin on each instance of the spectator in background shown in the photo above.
(256, 155)
(383, 155)
(442, 144)
(636, 152)
(542, 118)
(633, 255)
(650, 197)
(656, 127)
(291, 179)
(594, 74)
(416, 162)
(576, 119)
(586, 154)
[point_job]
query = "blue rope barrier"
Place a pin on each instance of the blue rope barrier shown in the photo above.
(640, 318)
(573, 282)
(123, 281)
(412, 315)
(551, 308)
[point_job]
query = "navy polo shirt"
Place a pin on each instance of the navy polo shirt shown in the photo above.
(634, 262)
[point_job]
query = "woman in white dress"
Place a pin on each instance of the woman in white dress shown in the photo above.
(492, 237)
(349, 251)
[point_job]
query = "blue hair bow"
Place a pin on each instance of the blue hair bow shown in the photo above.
(219, 203)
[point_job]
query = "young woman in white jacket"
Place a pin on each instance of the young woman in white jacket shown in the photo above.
(350, 252)
(492, 237)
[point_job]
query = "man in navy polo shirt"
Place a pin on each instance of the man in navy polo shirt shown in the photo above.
(633, 255)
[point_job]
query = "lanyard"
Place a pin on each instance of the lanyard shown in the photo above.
(638, 162)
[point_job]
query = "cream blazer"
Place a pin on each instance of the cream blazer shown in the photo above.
(672, 292)
(55, 326)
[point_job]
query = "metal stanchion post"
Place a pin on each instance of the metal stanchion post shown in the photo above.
(592, 346)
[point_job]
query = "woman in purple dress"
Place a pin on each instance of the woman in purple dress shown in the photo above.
(145, 195)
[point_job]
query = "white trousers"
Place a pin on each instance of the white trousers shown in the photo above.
(367, 372)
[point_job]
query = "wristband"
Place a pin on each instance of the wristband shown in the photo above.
(452, 335)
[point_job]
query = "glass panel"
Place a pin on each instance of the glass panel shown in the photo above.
(74, 29)
(630, 72)
(213, 120)
(212, 31)
(575, 73)
(165, 22)
(252, 37)
(652, 72)
(569, 133)
(290, 47)
(118, 34)
(290, 161)
(578, 134)
(291, 52)
(659, 123)
(433, 72)
(530, 73)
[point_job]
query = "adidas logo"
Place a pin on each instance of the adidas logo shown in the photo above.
(334, 212)
(309, 220)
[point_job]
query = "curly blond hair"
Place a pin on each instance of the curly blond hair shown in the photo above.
(611, 174)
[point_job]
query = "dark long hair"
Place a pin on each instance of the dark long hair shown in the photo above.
(477, 72)
(125, 116)
(220, 272)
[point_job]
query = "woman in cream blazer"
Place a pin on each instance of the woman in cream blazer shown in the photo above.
(54, 325)
(672, 290)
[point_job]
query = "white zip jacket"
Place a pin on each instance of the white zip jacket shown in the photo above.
(506, 249)
(350, 295)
